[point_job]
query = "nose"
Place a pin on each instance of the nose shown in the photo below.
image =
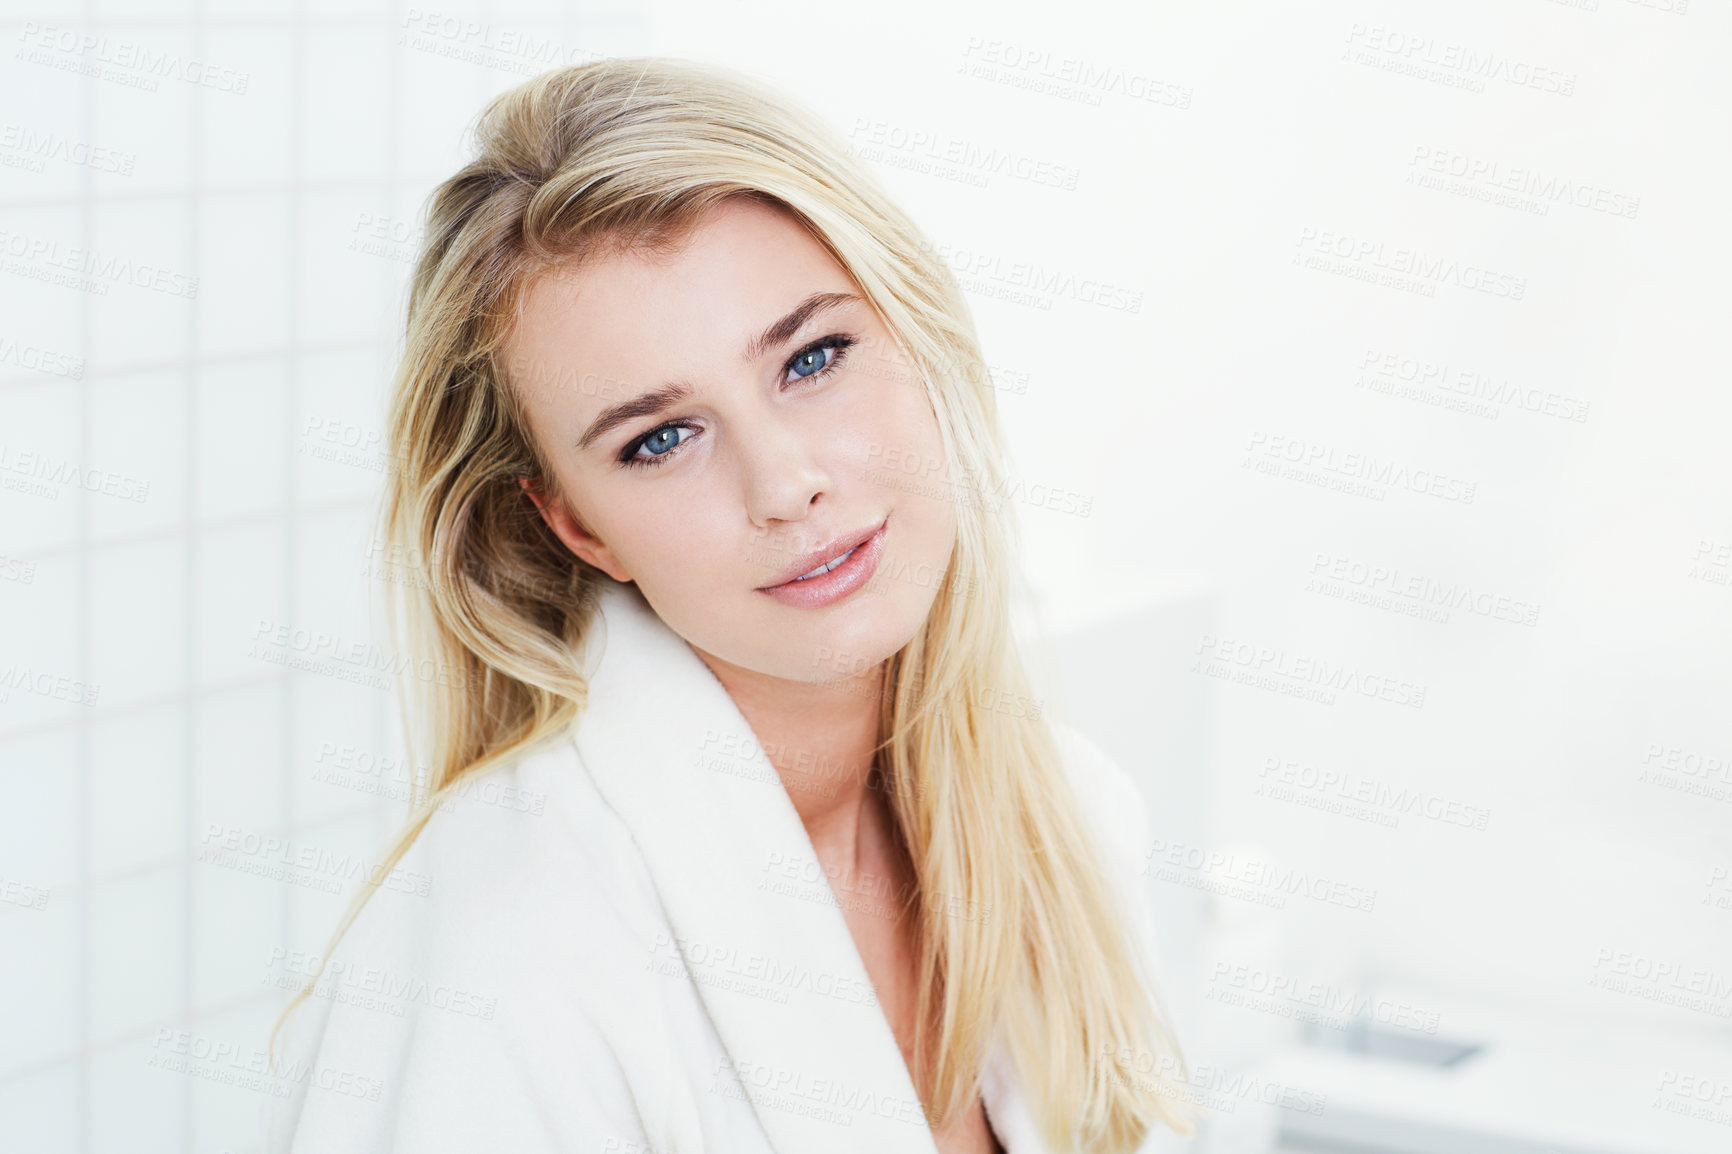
(782, 475)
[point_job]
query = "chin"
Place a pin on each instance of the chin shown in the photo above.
(835, 643)
(851, 644)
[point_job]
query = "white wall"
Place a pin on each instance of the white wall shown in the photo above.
(1267, 135)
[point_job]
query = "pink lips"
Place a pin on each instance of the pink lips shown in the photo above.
(827, 588)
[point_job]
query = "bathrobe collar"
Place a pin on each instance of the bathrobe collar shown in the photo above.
(754, 919)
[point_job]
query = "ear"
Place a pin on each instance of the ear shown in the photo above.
(578, 539)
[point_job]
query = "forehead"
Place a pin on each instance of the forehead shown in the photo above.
(640, 317)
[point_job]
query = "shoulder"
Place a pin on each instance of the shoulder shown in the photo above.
(522, 870)
(515, 855)
(498, 966)
(530, 833)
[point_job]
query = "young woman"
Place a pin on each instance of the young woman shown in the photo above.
(742, 831)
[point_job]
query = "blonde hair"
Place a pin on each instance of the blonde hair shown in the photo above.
(628, 154)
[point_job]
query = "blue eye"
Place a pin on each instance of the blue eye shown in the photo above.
(660, 441)
(809, 363)
(813, 360)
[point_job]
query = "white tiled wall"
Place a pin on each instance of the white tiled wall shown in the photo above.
(200, 412)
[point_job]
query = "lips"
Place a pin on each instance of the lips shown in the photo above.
(817, 558)
(826, 566)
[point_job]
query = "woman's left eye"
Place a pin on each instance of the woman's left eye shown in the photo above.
(811, 361)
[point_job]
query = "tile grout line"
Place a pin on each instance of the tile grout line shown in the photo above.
(81, 733)
(396, 315)
(293, 358)
(269, 354)
(190, 581)
(176, 530)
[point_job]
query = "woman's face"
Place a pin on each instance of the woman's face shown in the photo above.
(715, 417)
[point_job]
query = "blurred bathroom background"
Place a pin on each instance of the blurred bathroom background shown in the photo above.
(1363, 365)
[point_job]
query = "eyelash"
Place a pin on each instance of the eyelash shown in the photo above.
(837, 341)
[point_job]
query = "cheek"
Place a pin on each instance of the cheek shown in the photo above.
(891, 431)
(906, 462)
(665, 535)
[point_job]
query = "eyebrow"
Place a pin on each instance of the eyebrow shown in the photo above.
(656, 400)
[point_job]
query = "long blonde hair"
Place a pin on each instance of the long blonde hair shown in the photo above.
(625, 154)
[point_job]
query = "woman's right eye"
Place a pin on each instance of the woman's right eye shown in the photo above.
(659, 442)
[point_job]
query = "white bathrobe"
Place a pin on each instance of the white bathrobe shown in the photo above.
(623, 943)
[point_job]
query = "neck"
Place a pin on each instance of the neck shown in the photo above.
(820, 739)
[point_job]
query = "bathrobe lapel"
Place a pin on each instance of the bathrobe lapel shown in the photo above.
(754, 920)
